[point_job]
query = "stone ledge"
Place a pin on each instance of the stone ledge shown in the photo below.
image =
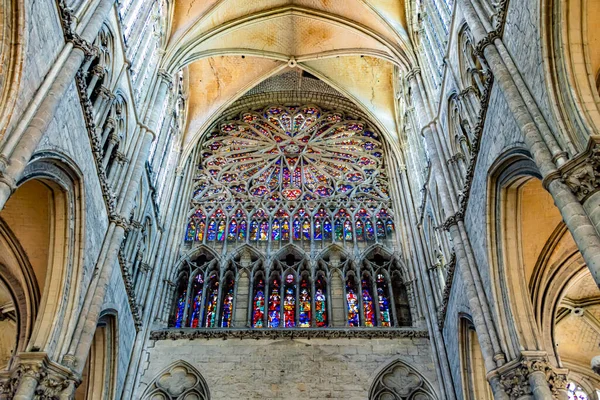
(299, 333)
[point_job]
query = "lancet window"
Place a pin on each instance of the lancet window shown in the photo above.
(288, 293)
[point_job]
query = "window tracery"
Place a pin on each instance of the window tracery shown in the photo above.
(295, 295)
(291, 174)
(298, 192)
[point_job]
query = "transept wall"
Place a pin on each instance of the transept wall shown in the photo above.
(486, 114)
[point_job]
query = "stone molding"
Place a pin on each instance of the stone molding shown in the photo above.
(299, 333)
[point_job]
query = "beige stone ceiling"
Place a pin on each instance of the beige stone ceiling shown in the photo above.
(229, 46)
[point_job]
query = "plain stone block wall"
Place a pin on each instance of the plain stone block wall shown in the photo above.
(289, 369)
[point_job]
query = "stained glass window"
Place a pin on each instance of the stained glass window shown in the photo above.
(367, 300)
(352, 302)
(180, 309)
(281, 175)
(575, 392)
(196, 306)
(304, 304)
(385, 317)
(227, 303)
(274, 305)
(212, 296)
(289, 302)
(258, 305)
(321, 302)
(299, 154)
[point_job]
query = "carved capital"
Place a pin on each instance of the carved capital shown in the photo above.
(119, 220)
(452, 220)
(413, 73)
(485, 42)
(106, 93)
(582, 173)
(515, 376)
(167, 77)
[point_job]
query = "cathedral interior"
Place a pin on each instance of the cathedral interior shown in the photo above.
(300, 199)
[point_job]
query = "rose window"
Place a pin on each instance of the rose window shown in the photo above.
(292, 153)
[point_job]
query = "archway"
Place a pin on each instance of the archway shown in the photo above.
(39, 258)
(541, 281)
(99, 373)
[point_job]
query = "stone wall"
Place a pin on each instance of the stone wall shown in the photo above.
(288, 368)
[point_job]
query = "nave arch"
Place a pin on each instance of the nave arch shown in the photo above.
(98, 380)
(571, 48)
(40, 259)
(545, 295)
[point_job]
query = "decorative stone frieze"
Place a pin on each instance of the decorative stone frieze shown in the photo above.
(354, 333)
(67, 20)
(130, 289)
(450, 267)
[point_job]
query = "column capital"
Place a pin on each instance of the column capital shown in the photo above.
(164, 75)
(582, 173)
(517, 376)
(413, 73)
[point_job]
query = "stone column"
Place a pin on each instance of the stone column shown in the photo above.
(28, 142)
(538, 139)
(94, 301)
(479, 308)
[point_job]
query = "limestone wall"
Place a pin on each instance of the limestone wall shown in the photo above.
(288, 368)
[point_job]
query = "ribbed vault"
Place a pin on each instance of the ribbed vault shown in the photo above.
(229, 46)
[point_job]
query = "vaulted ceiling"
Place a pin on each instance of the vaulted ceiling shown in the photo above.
(229, 46)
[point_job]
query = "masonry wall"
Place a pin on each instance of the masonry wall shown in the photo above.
(288, 368)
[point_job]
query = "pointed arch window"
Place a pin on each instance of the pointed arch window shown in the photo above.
(321, 320)
(304, 304)
(212, 297)
(258, 303)
(291, 180)
(385, 312)
(227, 301)
(352, 301)
(289, 302)
(196, 305)
(274, 313)
(367, 301)
(180, 302)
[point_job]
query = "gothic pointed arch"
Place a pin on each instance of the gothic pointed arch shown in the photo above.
(45, 216)
(179, 381)
(400, 381)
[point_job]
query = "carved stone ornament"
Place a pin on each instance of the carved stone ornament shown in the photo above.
(399, 381)
(180, 381)
(450, 267)
(330, 333)
(515, 379)
(52, 388)
(582, 173)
